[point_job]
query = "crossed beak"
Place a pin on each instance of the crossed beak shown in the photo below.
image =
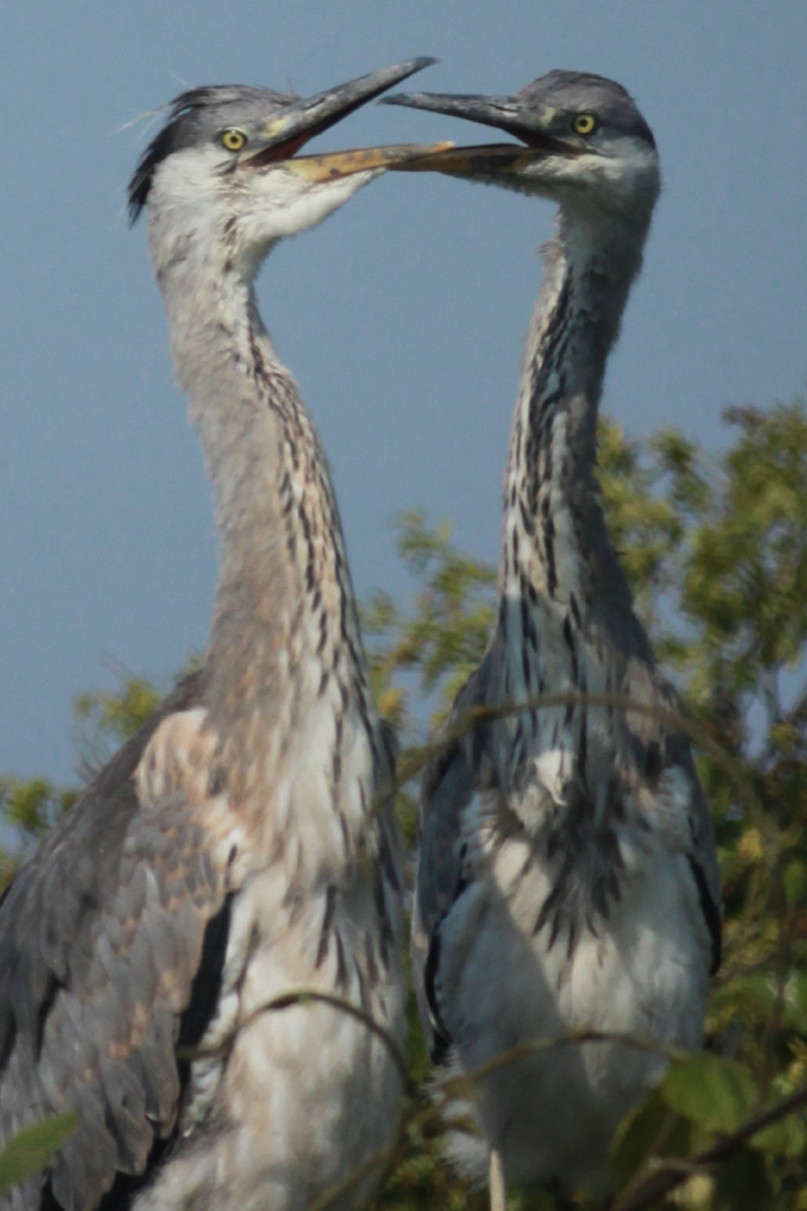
(287, 131)
(504, 113)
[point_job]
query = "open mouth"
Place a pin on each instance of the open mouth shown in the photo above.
(277, 151)
(289, 130)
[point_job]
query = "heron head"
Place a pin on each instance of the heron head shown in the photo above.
(225, 170)
(583, 142)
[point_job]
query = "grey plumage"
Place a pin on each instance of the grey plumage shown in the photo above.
(566, 875)
(96, 976)
(240, 848)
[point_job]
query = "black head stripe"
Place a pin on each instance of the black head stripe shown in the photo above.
(193, 116)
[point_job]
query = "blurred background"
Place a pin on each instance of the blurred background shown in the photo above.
(402, 316)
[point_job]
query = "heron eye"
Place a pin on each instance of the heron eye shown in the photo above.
(233, 139)
(584, 124)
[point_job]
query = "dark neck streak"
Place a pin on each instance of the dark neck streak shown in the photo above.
(285, 632)
(556, 546)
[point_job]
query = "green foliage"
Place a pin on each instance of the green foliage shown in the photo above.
(652, 1129)
(106, 719)
(717, 1093)
(716, 551)
(32, 1147)
(440, 638)
(30, 806)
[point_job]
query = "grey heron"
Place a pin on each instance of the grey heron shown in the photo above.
(234, 852)
(567, 877)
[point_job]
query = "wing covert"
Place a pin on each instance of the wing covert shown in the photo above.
(441, 878)
(102, 935)
(702, 854)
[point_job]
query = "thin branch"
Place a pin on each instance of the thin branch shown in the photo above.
(454, 1086)
(304, 996)
(671, 1175)
(376, 1160)
(416, 757)
(289, 999)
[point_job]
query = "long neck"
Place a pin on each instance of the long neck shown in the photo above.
(285, 653)
(555, 538)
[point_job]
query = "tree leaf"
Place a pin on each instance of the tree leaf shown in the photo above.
(32, 1147)
(716, 1093)
(648, 1130)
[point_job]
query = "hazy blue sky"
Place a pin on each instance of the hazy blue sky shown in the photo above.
(402, 316)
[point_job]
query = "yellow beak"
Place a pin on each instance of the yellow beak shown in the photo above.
(333, 164)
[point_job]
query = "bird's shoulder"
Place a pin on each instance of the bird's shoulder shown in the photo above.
(103, 937)
(448, 792)
(442, 875)
(664, 790)
(450, 782)
(462, 770)
(680, 804)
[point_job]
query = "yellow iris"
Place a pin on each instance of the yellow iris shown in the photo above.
(233, 139)
(584, 124)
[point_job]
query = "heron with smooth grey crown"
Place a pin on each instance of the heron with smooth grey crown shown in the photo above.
(567, 877)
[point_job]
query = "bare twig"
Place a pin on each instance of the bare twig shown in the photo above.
(454, 1086)
(305, 996)
(414, 759)
(376, 1160)
(672, 1173)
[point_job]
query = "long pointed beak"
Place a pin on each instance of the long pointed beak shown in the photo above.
(488, 159)
(287, 131)
(501, 112)
(504, 113)
(333, 164)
